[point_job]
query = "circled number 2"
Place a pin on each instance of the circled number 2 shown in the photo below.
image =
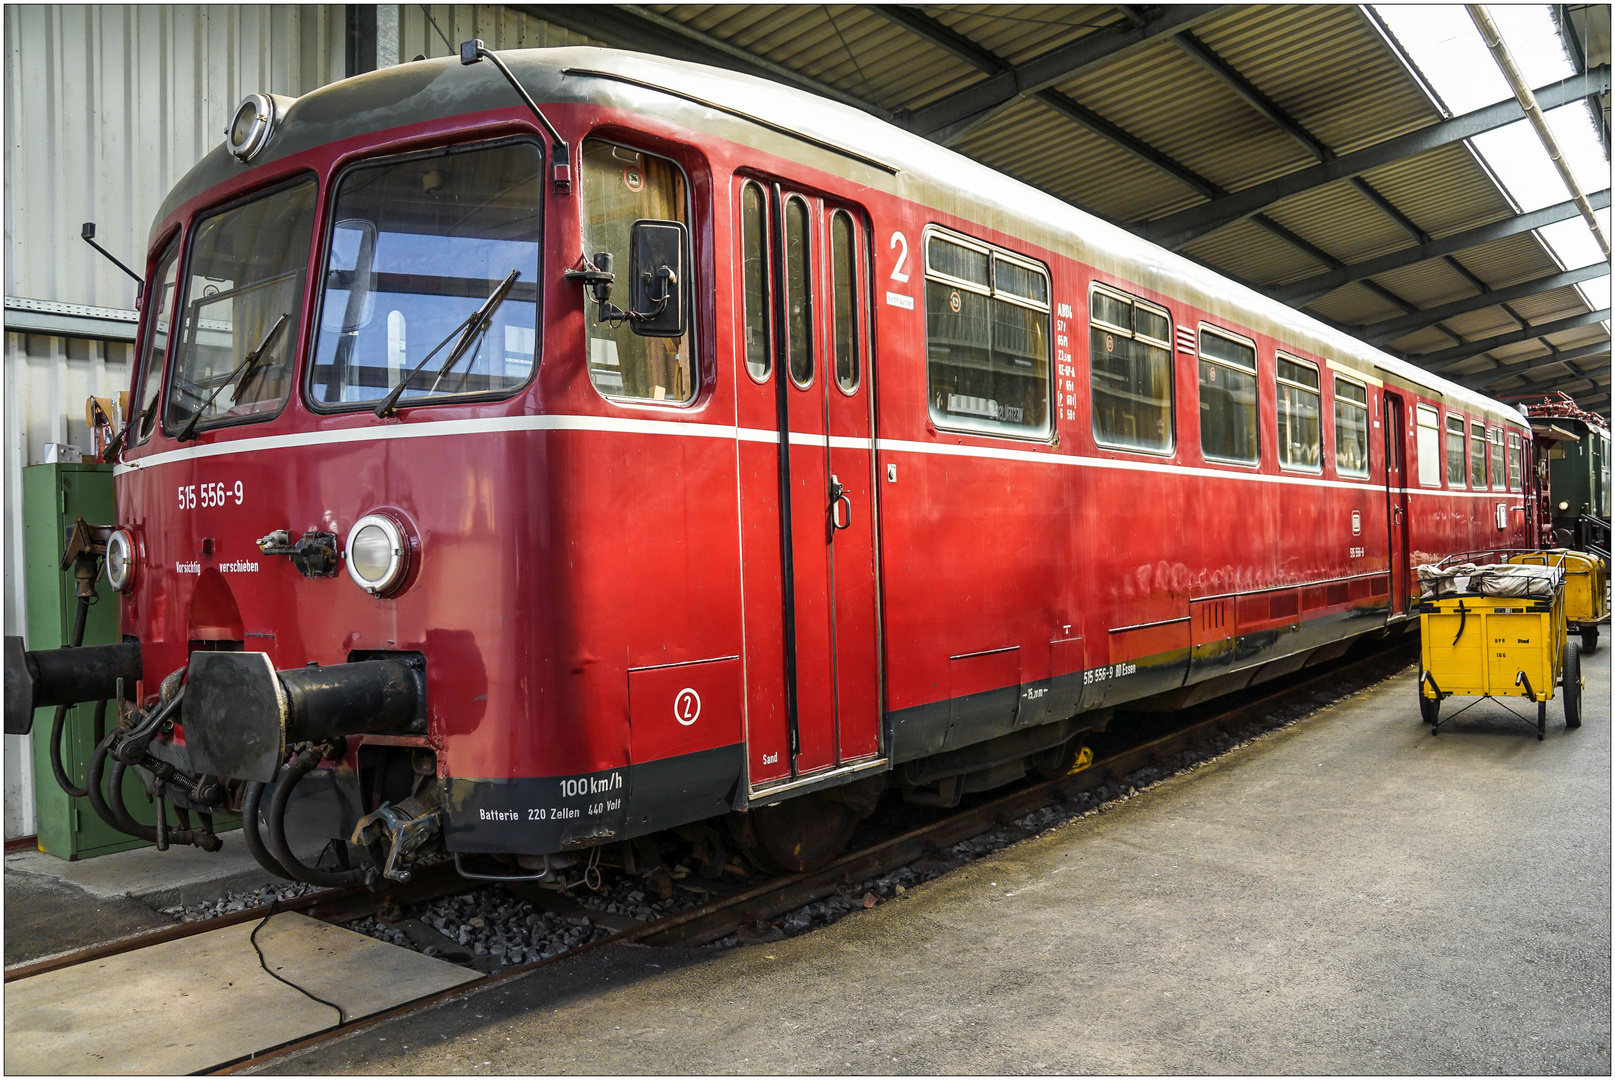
(900, 241)
(686, 706)
(192, 496)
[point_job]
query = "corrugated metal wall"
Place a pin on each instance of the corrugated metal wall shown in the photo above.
(438, 29)
(106, 107)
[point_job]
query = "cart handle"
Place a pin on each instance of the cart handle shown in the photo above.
(1521, 678)
(1464, 555)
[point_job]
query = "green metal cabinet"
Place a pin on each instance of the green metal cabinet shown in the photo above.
(53, 496)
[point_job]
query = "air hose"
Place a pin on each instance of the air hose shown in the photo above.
(290, 775)
(250, 834)
(117, 814)
(59, 724)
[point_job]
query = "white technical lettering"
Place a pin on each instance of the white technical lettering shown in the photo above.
(210, 495)
(898, 300)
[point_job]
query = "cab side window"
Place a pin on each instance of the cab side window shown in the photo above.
(620, 186)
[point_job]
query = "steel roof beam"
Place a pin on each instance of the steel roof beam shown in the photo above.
(1386, 207)
(1203, 54)
(941, 35)
(1571, 384)
(1447, 358)
(949, 119)
(946, 38)
(627, 26)
(1391, 329)
(1175, 230)
(1301, 293)
(1492, 376)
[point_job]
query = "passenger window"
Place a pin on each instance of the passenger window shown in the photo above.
(844, 286)
(1299, 419)
(1515, 466)
(798, 293)
(419, 244)
(1477, 454)
(1495, 438)
(1228, 429)
(987, 338)
(1428, 446)
(754, 270)
(1455, 451)
(620, 187)
(151, 364)
(1130, 372)
(1351, 428)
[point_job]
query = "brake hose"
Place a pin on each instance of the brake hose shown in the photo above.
(59, 724)
(293, 772)
(253, 838)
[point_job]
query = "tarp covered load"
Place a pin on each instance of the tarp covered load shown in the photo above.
(1467, 579)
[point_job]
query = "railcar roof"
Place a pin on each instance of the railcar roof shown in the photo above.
(918, 168)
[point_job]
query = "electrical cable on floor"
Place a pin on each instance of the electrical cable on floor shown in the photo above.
(341, 1016)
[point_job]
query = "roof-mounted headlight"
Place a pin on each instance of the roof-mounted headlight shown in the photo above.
(121, 560)
(377, 554)
(250, 127)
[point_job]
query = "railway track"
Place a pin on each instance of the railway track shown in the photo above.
(751, 906)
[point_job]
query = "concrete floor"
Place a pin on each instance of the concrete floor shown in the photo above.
(53, 905)
(1349, 895)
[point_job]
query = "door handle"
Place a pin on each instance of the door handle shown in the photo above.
(839, 502)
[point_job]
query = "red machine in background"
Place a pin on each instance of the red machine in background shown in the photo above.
(526, 459)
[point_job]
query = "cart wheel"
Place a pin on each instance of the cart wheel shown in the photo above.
(1589, 639)
(1572, 684)
(1429, 708)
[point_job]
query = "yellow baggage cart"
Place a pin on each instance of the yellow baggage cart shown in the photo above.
(1586, 590)
(1496, 631)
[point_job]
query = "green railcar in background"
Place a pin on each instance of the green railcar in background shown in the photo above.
(1578, 458)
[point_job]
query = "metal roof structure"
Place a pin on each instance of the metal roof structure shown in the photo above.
(1292, 148)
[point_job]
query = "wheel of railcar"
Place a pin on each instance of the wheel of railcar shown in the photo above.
(1589, 639)
(1572, 684)
(1429, 707)
(804, 833)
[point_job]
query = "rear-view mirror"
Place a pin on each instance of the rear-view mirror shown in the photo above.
(656, 278)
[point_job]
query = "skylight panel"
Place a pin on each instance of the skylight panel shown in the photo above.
(1442, 42)
(1444, 45)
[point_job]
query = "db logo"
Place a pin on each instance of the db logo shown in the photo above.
(687, 706)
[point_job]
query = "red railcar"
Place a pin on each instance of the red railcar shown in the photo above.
(868, 467)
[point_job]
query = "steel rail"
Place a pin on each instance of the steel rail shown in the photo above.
(329, 905)
(719, 918)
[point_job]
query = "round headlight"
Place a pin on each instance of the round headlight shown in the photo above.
(377, 553)
(249, 127)
(1564, 506)
(121, 560)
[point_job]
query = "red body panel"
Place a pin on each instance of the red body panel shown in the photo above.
(570, 548)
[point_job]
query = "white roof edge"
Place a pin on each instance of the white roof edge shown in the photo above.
(841, 125)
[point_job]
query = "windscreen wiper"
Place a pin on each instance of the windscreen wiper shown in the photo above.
(243, 369)
(467, 333)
